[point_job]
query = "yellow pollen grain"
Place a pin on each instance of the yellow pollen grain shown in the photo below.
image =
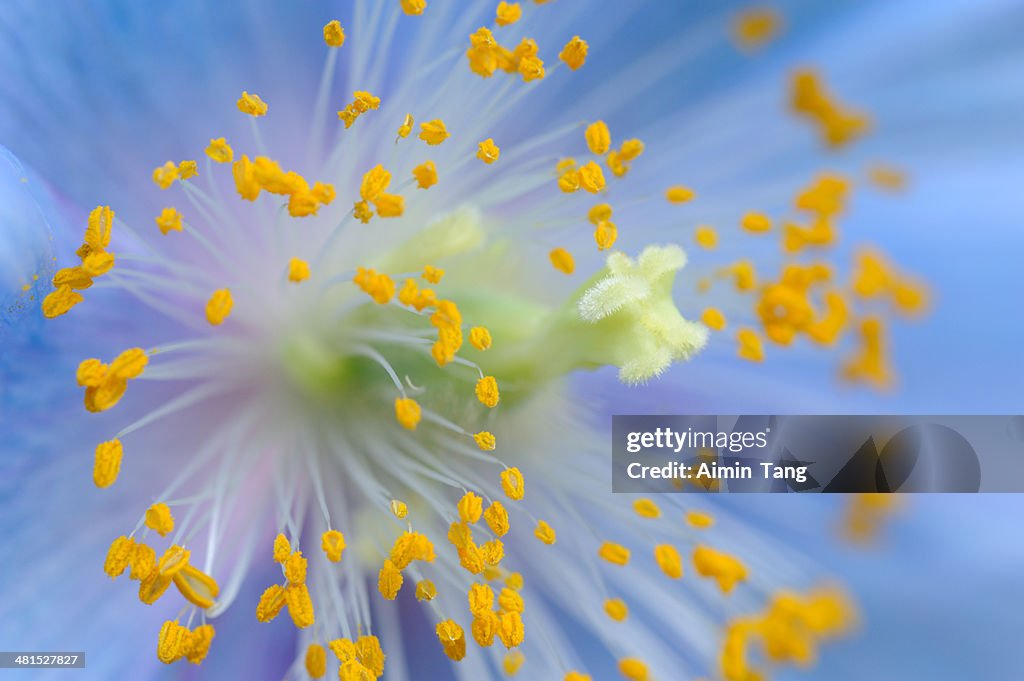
(187, 170)
(668, 559)
(598, 137)
(645, 508)
(512, 662)
(425, 175)
(616, 609)
(316, 656)
(754, 27)
(511, 630)
(699, 519)
(713, 318)
(633, 669)
(390, 205)
(270, 604)
(408, 412)
(413, 7)
(399, 508)
(295, 568)
(488, 151)
(375, 181)
(219, 306)
(576, 676)
(512, 483)
(334, 34)
(406, 127)
(251, 104)
(433, 274)
(165, 175)
(616, 554)
(602, 212)
(298, 270)
(282, 549)
(451, 636)
(750, 346)
(562, 260)
(300, 605)
(574, 54)
(591, 177)
(756, 223)
(425, 590)
(107, 463)
(605, 235)
(480, 338)
(333, 544)
(159, 519)
(471, 507)
(569, 180)
(496, 517)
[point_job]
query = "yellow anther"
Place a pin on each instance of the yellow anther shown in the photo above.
(425, 590)
(153, 586)
(481, 599)
(605, 235)
(334, 36)
(364, 101)
(562, 260)
(380, 287)
(60, 301)
(727, 570)
(508, 13)
(129, 364)
(531, 68)
(172, 642)
(645, 508)
(616, 609)
(142, 561)
(375, 182)
(452, 638)
(187, 170)
(271, 603)
(576, 676)
(316, 656)
(487, 391)
(514, 581)
(219, 306)
(173, 561)
(106, 396)
(699, 519)
(333, 544)
(706, 237)
(633, 669)
(295, 568)
(837, 125)
(390, 205)
(298, 270)
(409, 292)
(202, 637)
(480, 338)
(569, 180)
(470, 507)
(323, 193)
(107, 464)
(414, 7)
(574, 54)
(406, 127)
(97, 264)
(602, 212)
(496, 518)
(460, 535)
(887, 177)
(744, 276)
(220, 151)
(487, 151)
(512, 662)
(713, 318)
(399, 508)
(599, 138)
(282, 549)
(492, 552)
(511, 630)
(348, 115)
(408, 412)
(485, 441)
(252, 105)
(197, 587)
(513, 484)
(669, 560)
(615, 163)
(370, 654)
(870, 362)
(169, 220)
(300, 605)
(433, 132)
(750, 346)
(631, 150)
(545, 532)
(73, 277)
(165, 175)
(616, 554)
(756, 223)
(566, 164)
(118, 556)
(389, 580)
(482, 37)
(510, 601)
(679, 194)
(244, 173)
(159, 519)
(591, 177)
(425, 174)
(754, 27)
(361, 211)
(485, 628)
